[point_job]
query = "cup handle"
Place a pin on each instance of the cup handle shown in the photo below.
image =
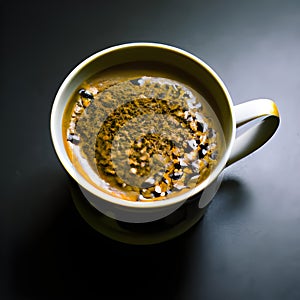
(265, 116)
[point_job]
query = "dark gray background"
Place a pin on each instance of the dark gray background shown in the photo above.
(248, 244)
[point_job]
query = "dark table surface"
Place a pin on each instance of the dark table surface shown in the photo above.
(248, 244)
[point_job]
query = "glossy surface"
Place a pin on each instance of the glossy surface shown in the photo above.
(248, 244)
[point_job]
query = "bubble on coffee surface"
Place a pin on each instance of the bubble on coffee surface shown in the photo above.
(148, 138)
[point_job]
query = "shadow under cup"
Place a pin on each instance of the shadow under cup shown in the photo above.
(199, 76)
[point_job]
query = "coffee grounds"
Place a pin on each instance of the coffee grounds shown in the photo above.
(148, 137)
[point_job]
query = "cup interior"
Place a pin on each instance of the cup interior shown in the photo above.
(198, 74)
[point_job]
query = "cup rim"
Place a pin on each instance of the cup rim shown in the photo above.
(58, 145)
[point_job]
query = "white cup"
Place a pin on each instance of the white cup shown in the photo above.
(264, 111)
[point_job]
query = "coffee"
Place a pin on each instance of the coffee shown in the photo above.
(140, 133)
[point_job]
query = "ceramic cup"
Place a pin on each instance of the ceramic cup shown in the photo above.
(264, 111)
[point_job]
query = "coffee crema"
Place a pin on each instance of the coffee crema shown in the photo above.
(140, 135)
